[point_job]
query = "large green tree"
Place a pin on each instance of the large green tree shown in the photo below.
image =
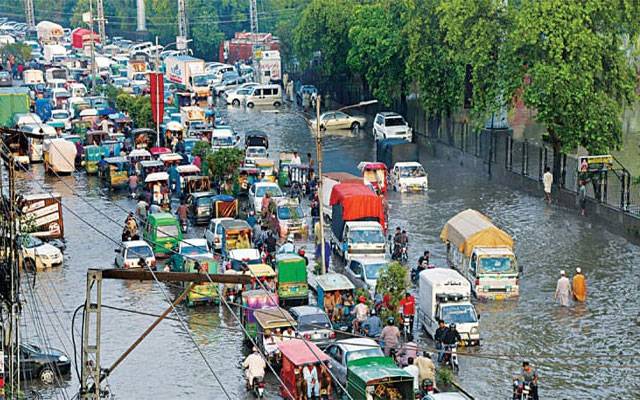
(204, 30)
(379, 49)
(324, 30)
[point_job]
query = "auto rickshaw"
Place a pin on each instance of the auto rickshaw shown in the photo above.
(267, 321)
(293, 289)
(224, 206)
(111, 147)
(283, 168)
(343, 292)
(117, 136)
(137, 155)
(194, 184)
(162, 232)
(266, 166)
(79, 127)
(252, 301)
(256, 138)
(144, 138)
(246, 178)
(374, 173)
(262, 275)
(95, 137)
(157, 151)
(204, 292)
(378, 378)
(170, 158)
(153, 183)
(187, 171)
(92, 155)
(117, 172)
(296, 355)
(147, 167)
(236, 234)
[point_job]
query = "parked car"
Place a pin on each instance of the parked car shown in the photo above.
(213, 233)
(364, 272)
(259, 190)
(390, 125)
(5, 79)
(237, 96)
(130, 253)
(343, 351)
(45, 364)
(37, 255)
(313, 325)
(339, 120)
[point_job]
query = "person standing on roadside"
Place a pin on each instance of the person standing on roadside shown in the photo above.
(579, 286)
(563, 290)
(547, 181)
(582, 196)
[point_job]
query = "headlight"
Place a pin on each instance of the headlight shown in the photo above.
(63, 359)
(474, 330)
(44, 256)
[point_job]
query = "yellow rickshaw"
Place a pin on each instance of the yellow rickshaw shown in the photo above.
(267, 167)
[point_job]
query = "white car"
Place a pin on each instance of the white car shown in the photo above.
(343, 351)
(340, 120)
(130, 253)
(237, 96)
(37, 255)
(390, 125)
(259, 190)
(446, 396)
(213, 233)
(244, 256)
(194, 247)
(409, 176)
(253, 153)
(364, 272)
(229, 83)
(61, 116)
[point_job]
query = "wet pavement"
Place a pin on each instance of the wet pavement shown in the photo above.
(587, 349)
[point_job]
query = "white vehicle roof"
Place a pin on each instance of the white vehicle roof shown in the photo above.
(357, 344)
(447, 396)
(266, 184)
(218, 220)
(407, 164)
(364, 224)
(223, 132)
(193, 242)
(445, 277)
(135, 243)
(244, 254)
(371, 260)
(498, 251)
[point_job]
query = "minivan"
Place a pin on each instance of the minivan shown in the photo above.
(265, 95)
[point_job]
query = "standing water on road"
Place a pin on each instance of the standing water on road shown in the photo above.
(585, 349)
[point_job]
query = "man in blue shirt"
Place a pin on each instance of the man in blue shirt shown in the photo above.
(373, 325)
(102, 166)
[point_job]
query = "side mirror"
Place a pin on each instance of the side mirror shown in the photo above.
(520, 268)
(478, 316)
(117, 251)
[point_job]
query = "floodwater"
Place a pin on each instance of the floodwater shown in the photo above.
(585, 351)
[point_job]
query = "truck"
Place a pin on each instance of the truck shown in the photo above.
(181, 70)
(49, 32)
(358, 220)
(269, 67)
(13, 100)
(42, 213)
(329, 181)
(54, 53)
(483, 254)
(392, 151)
(445, 294)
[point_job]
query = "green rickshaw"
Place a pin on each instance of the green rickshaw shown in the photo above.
(80, 127)
(162, 232)
(117, 173)
(205, 292)
(253, 300)
(378, 378)
(92, 155)
(268, 320)
(283, 168)
(292, 280)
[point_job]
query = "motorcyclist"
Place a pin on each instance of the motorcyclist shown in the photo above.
(451, 338)
(288, 247)
(397, 242)
(441, 332)
(408, 309)
(271, 243)
(182, 213)
(255, 366)
(530, 376)
(390, 336)
(361, 310)
(424, 257)
(373, 325)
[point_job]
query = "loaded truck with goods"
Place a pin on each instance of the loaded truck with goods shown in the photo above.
(54, 53)
(329, 181)
(181, 70)
(59, 156)
(445, 294)
(391, 151)
(43, 214)
(358, 221)
(483, 254)
(269, 67)
(49, 32)
(13, 100)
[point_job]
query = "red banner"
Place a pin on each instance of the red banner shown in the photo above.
(157, 96)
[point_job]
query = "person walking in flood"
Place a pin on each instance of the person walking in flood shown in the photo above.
(563, 290)
(547, 181)
(582, 196)
(579, 286)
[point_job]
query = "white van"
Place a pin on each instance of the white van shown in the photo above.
(265, 95)
(138, 47)
(78, 89)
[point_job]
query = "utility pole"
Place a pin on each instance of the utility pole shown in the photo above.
(101, 22)
(323, 266)
(93, 49)
(183, 27)
(141, 16)
(253, 18)
(29, 15)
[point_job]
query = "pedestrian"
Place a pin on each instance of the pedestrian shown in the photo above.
(547, 181)
(309, 160)
(579, 286)
(408, 351)
(582, 196)
(563, 290)
(133, 184)
(414, 371)
(310, 375)
(295, 160)
(426, 367)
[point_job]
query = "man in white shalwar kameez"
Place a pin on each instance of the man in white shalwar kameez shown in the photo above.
(563, 290)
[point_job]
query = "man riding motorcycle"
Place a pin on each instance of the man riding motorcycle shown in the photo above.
(408, 309)
(529, 377)
(255, 367)
(399, 241)
(450, 341)
(373, 325)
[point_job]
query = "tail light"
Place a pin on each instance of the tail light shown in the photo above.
(307, 336)
(332, 335)
(261, 384)
(517, 281)
(477, 282)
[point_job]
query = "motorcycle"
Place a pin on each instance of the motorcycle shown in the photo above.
(257, 387)
(522, 390)
(451, 357)
(184, 225)
(415, 272)
(400, 253)
(406, 326)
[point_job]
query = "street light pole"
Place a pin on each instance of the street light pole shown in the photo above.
(323, 266)
(93, 50)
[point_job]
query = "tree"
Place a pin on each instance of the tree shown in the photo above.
(204, 30)
(393, 280)
(378, 49)
(324, 28)
(20, 52)
(434, 67)
(224, 163)
(162, 19)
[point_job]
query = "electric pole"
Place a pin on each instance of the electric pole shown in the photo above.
(28, 11)
(183, 28)
(253, 17)
(323, 269)
(141, 16)
(101, 22)
(93, 49)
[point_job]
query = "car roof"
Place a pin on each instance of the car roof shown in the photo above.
(371, 260)
(447, 396)
(307, 310)
(193, 242)
(389, 114)
(135, 243)
(258, 184)
(407, 164)
(356, 344)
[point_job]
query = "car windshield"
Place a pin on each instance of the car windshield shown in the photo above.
(243, 91)
(373, 270)
(204, 201)
(414, 171)
(458, 314)
(168, 231)
(496, 265)
(290, 212)
(60, 115)
(366, 236)
(313, 322)
(358, 354)
(203, 80)
(4, 74)
(222, 141)
(32, 241)
(63, 93)
(134, 253)
(194, 250)
(256, 152)
(394, 121)
(274, 191)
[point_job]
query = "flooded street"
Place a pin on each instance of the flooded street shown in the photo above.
(585, 351)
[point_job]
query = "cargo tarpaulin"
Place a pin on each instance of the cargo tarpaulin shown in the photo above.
(225, 206)
(391, 151)
(356, 202)
(60, 155)
(157, 96)
(470, 228)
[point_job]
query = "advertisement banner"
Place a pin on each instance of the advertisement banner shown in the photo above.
(157, 96)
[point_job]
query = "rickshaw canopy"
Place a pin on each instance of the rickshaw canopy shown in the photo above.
(145, 164)
(156, 177)
(156, 151)
(334, 281)
(260, 271)
(274, 317)
(119, 161)
(174, 126)
(371, 166)
(188, 169)
(139, 154)
(470, 228)
(234, 225)
(170, 157)
(371, 369)
(301, 353)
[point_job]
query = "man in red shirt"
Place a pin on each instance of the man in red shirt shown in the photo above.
(408, 308)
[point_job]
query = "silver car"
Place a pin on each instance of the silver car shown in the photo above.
(313, 325)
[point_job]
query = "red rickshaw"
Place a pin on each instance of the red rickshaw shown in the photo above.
(374, 173)
(297, 355)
